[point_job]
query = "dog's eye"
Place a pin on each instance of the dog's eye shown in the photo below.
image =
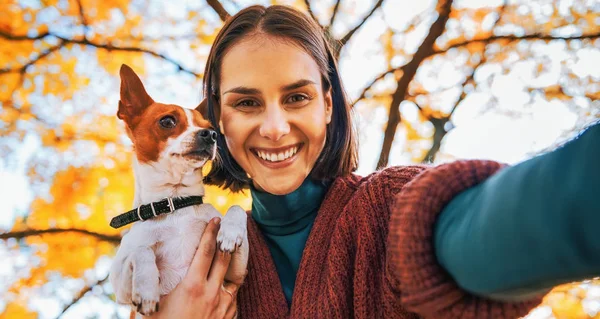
(167, 121)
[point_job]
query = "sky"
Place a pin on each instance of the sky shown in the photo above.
(478, 133)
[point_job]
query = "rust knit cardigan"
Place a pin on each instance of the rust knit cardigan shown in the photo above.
(370, 253)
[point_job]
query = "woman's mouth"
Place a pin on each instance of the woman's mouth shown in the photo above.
(279, 157)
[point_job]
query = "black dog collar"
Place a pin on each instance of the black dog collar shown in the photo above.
(145, 212)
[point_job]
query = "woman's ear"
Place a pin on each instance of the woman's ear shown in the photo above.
(328, 106)
(221, 127)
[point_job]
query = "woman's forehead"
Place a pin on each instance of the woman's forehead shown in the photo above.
(257, 62)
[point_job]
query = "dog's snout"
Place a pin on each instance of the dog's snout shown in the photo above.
(207, 135)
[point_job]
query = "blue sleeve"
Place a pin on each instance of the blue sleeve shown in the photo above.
(529, 227)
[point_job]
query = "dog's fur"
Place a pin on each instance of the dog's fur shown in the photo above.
(155, 254)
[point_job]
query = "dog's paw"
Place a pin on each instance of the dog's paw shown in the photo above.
(146, 305)
(229, 238)
(233, 229)
(120, 278)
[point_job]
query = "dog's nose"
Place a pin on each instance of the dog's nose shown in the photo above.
(207, 135)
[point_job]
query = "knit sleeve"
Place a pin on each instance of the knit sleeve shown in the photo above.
(426, 288)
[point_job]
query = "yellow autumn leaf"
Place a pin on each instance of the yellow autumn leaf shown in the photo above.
(17, 311)
(566, 306)
(112, 61)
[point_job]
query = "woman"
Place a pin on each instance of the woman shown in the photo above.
(468, 239)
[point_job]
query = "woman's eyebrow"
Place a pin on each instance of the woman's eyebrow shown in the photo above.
(296, 85)
(243, 90)
(253, 91)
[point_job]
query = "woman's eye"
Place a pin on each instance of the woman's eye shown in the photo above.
(297, 98)
(246, 103)
(167, 121)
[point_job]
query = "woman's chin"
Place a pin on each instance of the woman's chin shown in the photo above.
(278, 186)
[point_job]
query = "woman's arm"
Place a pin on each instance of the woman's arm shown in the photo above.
(527, 228)
(413, 269)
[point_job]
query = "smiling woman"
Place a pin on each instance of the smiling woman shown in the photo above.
(461, 240)
(285, 112)
(279, 79)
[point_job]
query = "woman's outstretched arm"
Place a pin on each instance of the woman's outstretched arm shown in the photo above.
(452, 255)
(529, 227)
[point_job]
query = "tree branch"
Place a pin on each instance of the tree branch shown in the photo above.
(487, 40)
(42, 55)
(533, 36)
(370, 85)
(439, 131)
(350, 33)
(409, 71)
(439, 124)
(14, 37)
(410, 26)
(83, 19)
(310, 12)
(106, 46)
(19, 109)
(218, 7)
(481, 62)
(111, 47)
(335, 11)
(469, 79)
(19, 84)
(80, 295)
(115, 239)
(160, 38)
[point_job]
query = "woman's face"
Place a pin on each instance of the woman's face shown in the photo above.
(274, 113)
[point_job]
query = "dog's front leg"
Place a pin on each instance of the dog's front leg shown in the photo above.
(145, 292)
(232, 238)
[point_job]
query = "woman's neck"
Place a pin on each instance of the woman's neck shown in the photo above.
(285, 214)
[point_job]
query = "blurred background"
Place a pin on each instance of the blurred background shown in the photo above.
(431, 81)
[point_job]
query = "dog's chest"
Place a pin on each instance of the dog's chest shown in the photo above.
(178, 236)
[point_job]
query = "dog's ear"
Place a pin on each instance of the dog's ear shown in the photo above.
(203, 109)
(134, 99)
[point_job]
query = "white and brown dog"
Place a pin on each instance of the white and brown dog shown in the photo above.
(171, 145)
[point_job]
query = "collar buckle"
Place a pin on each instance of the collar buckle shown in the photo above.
(153, 210)
(170, 204)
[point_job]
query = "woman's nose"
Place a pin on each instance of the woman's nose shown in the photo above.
(275, 125)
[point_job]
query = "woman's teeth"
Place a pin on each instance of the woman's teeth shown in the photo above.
(278, 157)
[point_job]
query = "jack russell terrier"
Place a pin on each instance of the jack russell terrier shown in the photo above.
(171, 145)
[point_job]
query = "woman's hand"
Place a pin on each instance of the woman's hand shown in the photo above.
(201, 293)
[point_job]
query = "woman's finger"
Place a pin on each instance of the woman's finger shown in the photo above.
(231, 311)
(231, 290)
(216, 276)
(205, 252)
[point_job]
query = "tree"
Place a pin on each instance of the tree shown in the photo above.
(59, 90)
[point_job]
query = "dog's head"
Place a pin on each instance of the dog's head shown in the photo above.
(163, 134)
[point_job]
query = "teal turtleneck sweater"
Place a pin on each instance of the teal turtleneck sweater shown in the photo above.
(285, 222)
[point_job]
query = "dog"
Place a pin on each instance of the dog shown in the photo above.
(171, 146)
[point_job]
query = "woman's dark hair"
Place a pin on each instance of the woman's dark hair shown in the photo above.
(340, 153)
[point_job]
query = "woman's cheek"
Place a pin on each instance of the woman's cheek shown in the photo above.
(228, 132)
(234, 145)
(236, 137)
